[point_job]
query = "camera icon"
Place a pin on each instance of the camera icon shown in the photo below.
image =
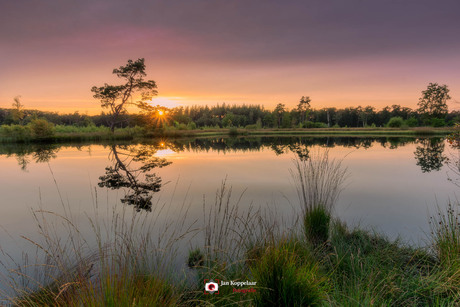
(211, 287)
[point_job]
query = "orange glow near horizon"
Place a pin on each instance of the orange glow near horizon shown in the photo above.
(258, 54)
(338, 96)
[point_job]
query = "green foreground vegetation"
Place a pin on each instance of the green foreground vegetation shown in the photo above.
(316, 261)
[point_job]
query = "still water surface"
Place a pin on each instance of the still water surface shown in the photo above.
(392, 187)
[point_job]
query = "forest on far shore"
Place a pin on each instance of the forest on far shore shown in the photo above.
(244, 116)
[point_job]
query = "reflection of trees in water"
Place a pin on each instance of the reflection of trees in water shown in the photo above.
(45, 154)
(282, 145)
(131, 170)
(301, 150)
(395, 142)
(429, 154)
(131, 167)
(25, 154)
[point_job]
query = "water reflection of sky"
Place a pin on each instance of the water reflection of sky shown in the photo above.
(386, 189)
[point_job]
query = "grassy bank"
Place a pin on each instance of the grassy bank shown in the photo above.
(353, 267)
(24, 134)
(314, 261)
(419, 131)
(59, 134)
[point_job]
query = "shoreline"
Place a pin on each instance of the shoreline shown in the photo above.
(126, 134)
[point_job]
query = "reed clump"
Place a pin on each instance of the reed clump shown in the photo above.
(287, 274)
(318, 181)
(445, 245)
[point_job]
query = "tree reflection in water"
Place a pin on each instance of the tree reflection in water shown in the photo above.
(39, 154)
(132, 170)
(429, 154)
(132, 165)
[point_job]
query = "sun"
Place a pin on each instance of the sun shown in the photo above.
(160, 116)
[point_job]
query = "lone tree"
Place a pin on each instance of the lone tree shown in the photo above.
(433, 103)
(117, 97)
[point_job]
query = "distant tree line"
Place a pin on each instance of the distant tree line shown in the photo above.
(432, 110)
(245, 116)
(257, 117)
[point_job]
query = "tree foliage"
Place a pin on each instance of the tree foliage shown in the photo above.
(18, 113)
(396, 122)
(279, 111)
(302, 107)
(42, 128)
(433, 102)
(117, 97)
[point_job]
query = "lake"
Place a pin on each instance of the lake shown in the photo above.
(393, 185)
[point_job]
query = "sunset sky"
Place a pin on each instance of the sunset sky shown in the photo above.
(340, 53)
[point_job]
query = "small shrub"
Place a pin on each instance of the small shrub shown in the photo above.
(310, 124)
(411, 122)
(5, 130)
(136, 130)
(191, 126)
(321, 125)
(20, 132)
(396, 122)
(41, 128)
(179, 126)
(251, 127)
(437, 122)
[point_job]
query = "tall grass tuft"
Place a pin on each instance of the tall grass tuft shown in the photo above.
(445, 232)
(316, 225)
(288, 275)
(445, 237)
(318, 181)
